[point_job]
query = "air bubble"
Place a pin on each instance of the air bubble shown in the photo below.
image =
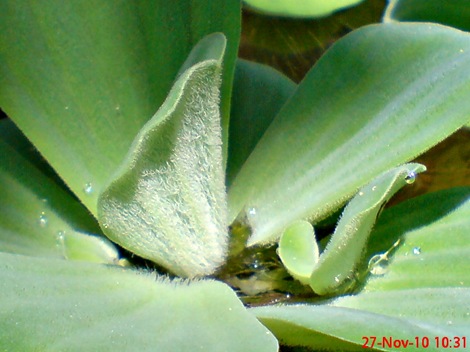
(88, 188)
(410, 178)
(43, 220)
(417, 250)
(378, 264)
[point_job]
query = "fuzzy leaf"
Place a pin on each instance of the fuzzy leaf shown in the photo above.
(58, 305)
(422, 293)
(341, 256)
(378, 98)
(167, 202)
(81, 78)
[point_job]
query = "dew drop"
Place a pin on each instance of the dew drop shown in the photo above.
(88, 188)
(410, 178)
(43, 220)
(361, 193)
(337, 277)
(118, 108)
(417, 250)
(378, 264)
(60, 237)
(374, 188)
(66, 108)
(251, 212)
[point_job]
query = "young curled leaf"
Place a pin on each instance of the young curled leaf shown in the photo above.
(338, 262)
(167, 202)
(298, 250)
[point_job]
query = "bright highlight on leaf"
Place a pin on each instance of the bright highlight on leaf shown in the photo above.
(167, 203)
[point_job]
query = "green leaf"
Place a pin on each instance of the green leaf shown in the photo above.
(339, 260)
(70, 306)
(81, 78)
(377, 99)
(299, 251)
(455, 13)
(300, 8)
(421, 293)
(167, 203)
(259, 92)
(38, 217)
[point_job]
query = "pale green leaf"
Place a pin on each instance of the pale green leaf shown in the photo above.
(167, 202)
(259, 92)
(424, 291)
(37, 216)
(379, 97)
(81, 78)
(341, 256)
(455, 13)
(300, 8)
(57, 305)
(298, 250)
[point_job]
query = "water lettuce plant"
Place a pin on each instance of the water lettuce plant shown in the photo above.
(165, 146)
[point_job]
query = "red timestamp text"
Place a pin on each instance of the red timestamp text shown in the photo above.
(422, 342)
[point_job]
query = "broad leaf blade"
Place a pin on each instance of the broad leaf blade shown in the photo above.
(82, 78)
(301, 8)
(423, 293)
(71, 306)
(38, 217)
(377, 99)
(454, 13)
(167, 202)
(259, 92)
(343, 253)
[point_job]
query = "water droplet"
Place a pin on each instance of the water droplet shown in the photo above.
(251, 212)
(378, 264)
(118, 108)
(66, 108)
(450, 322)
(361, 193)
(105, 225)
(44, 200)
(88, 188)
(60, 237)
(417, 250)
(374, 188)
(461, 50)
(255, 264)
(337, 277)
(42, 220)
(410, 178)
(288, 296)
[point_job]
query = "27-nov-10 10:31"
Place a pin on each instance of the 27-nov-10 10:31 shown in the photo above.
(418, 342)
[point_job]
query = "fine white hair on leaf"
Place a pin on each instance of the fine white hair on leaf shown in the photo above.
(168, 200)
